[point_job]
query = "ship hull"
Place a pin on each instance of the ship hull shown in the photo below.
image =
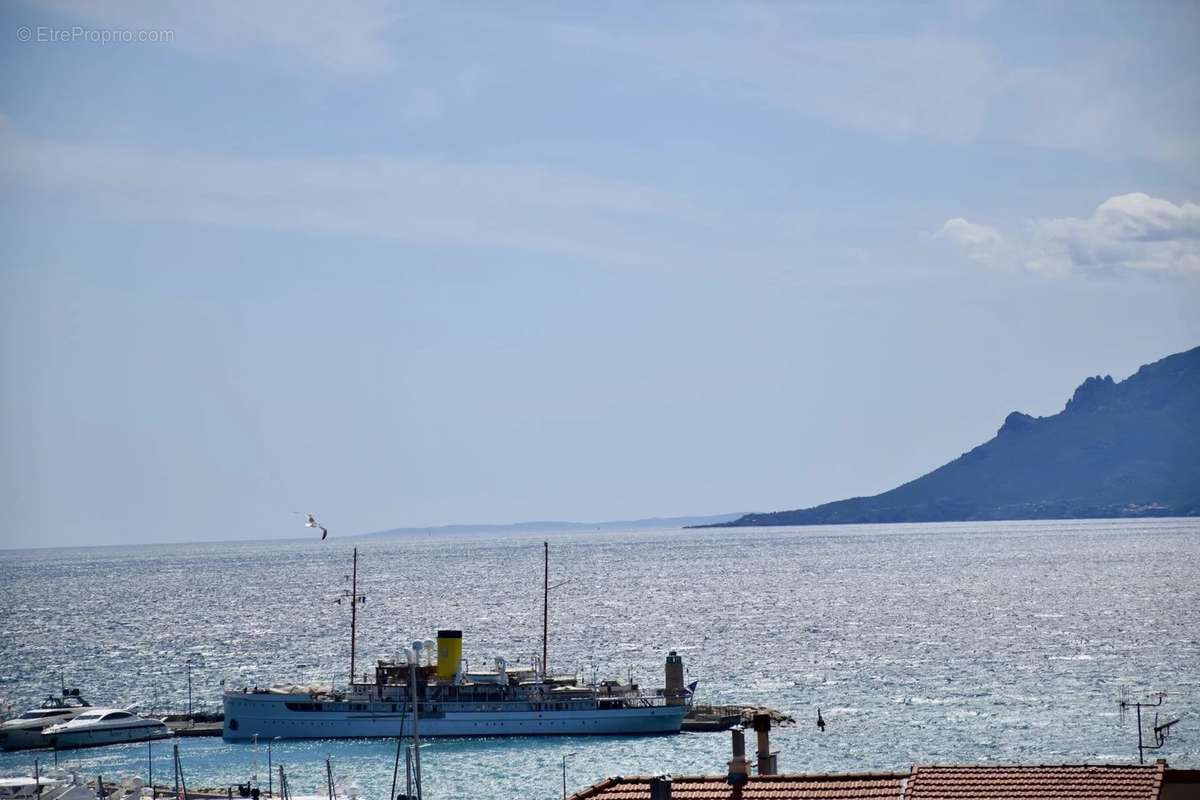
(268, 717)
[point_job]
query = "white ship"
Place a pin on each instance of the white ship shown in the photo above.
(451, 701)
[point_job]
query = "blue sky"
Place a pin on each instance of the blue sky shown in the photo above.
(419, 264)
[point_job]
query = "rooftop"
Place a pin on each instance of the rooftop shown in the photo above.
(833, 786)
(922, 782)
(1036, 782)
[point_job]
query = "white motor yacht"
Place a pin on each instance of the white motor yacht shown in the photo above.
(45, 787)
(26, 730)
(105, 726)
(60, 785)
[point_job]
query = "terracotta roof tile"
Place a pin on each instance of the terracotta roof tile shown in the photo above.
(933, 782)
(1035, 782)
(835, 786)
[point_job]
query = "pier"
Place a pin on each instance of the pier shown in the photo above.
(712, 719)
(122, 790)
(189, 725)
(186, 729)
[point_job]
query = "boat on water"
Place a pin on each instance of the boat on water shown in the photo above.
(58, 784)
(453, 702)
(45, 787)
(100, 726)
(441, 697)
(26, 731)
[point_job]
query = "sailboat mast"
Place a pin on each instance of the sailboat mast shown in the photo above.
(353, 611)
(545, 608)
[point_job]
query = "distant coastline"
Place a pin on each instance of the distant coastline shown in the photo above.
(546, 527)
(552, 526)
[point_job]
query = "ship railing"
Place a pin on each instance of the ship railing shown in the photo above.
(438, 705)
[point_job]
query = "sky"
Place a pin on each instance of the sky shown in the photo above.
(413, 264)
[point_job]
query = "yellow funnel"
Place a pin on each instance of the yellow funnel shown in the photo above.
(449, 654)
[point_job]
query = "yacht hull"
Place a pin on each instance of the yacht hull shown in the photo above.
(268, 716)
(96, 738)
(23, 739)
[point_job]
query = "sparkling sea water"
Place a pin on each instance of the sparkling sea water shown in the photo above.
(972, 642)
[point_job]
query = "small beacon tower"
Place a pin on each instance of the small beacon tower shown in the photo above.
(673, 688)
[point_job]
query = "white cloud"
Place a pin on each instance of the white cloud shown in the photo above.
(1129, 233)
(1139, 217)
(980, 243)
(927, 84)
(1126, 232)
(969, 234)
(516, 206)
(942, 72)
(937, 74)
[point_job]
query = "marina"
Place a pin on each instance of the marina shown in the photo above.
(882, 667)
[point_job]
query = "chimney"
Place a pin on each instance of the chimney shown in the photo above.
(767, 761)
(739, 767)
(660, 788)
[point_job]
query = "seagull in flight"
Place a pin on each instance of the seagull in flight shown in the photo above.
(312, 523)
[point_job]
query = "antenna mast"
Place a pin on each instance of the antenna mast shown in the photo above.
(1161, 732)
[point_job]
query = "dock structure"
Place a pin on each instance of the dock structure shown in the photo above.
(187, 729)
(112, 789)
(186, 726)
(716, 718)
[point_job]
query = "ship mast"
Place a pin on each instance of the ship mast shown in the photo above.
(545, 608)
(353, 611)
(355, 598)
(546, 587)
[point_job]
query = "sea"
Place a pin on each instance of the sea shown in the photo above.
(919, 643)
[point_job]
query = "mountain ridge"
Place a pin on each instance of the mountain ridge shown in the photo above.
(1127, 449)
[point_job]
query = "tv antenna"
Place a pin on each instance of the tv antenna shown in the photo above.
(1161, 732)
